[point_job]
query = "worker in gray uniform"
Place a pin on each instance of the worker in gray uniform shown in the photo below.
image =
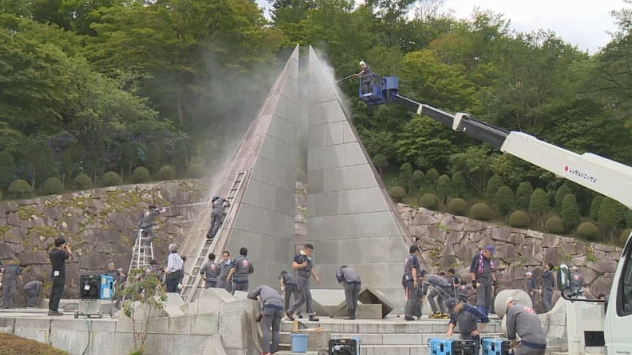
(210, 272)
(241, 270)
(350, 279)
(33, 291)
(577, 283)
(303, 266)
(289, 287)
(12, 273)
(439, 287)
(470, 319)
(224, 268)
(546, 287)
(522, 321)
(147, 222)
(482, 273)
(410, 281)
(217, 215)
(270, 318)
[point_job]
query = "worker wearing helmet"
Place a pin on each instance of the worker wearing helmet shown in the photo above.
(577, 283)
(217, 215)
(365, 70)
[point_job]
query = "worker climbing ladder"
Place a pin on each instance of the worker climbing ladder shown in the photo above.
(143, 253)
(192, 283)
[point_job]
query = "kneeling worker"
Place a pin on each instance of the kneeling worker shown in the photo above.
(523, 321)
(271, 314)
(349, 277)
(468, 318)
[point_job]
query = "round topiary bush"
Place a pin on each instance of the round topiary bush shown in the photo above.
(195, 171)
(588, 231)
(52, 186)
(82, 181)
(140, 175)
(167, 172)
(20, 189)
(397, 193)
(110, 178)
(458, 207)
(481, 211)
(519, 219)
(554, 225)
(429, 201)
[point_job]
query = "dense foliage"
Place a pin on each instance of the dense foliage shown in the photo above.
(89, 87)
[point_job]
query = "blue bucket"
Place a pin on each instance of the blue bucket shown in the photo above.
(299, 342)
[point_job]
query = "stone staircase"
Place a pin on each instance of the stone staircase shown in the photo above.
(389, 336)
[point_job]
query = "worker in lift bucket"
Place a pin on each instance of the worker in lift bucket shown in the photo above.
(365, 76)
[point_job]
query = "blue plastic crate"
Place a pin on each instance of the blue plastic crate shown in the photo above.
(451, 347)
(496, 346)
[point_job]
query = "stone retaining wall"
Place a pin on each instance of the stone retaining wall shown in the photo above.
(451, 241)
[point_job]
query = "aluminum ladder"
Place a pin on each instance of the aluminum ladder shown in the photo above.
(193, 283)
(142, 254)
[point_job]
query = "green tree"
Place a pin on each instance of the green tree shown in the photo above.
(562, 191)
(417, 180)
(7, 169)
(494, 183)
(432, 176)
(505, 200)
(474, 163)
(595, 205)
(611, 214)
(154, 157)
(457, 185)
(405, 176)
(443, 188)
(539, 205)
(380, 161)
(570, 212)
(523, 196)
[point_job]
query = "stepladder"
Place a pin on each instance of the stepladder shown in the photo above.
(143, 252)
(194, 282)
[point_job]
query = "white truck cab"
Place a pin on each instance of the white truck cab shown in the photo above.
(618, 322)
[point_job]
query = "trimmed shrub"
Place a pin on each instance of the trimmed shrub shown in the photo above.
(417, 180)
(52, 186)
(494, 183)
(431, 178)
(195, 171)
(504, 200)
(457, 185)
(82, 181)
(443, 187)
(594, 207)
(405, 176)
(519, 219)
(110, 178)
(523, 195)
(140, 174)
(539, 204)
(397, 193)
(570, 212)
(20, 189)
(166, 172)
(588, 230)
(457, 206)
(380, 161)
(481, 211)
(611, 213)
(562, 191)
(429, 201)
(554, 225)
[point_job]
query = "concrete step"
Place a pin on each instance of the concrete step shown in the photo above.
(397, 326)
(386, 339)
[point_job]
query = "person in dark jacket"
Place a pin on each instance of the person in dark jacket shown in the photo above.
(289, 286)
(350, 279)
(528, 284)
(10, 277)
(33, 291)
(58, 257)
(147, 222)
(210, 272)
(471, 321)
(522, 321)
(482, 273)
(547, 285)
(240, 271)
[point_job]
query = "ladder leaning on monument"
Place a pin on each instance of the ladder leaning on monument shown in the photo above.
(192, 282)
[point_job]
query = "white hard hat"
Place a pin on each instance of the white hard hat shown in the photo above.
(528, 273)
(362, 63)
(511, 299)
(574, 267)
